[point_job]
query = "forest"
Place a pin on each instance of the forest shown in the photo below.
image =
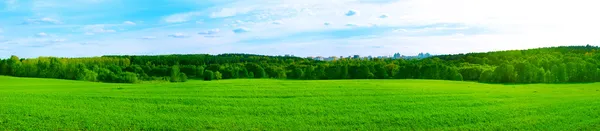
(565, 64)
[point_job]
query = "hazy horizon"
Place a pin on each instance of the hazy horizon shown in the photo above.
(81, 28)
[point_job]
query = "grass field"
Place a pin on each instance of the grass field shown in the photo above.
(47, 104)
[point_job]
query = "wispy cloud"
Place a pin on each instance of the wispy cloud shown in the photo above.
(148, 37)
(241, 30)
(94, 29)
(10, 4)
(383, 16)
(228, 12)
(178, 35)
(210, 32)
(41, 34)
(129, 23)
(278, 22)
(351, 13)
(44, 20)
(181, 17)
(58, 40)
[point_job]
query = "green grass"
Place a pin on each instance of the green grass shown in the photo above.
(47, 104)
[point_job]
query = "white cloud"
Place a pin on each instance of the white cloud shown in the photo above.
(383, 16)
(99, 28)
(351, 13)
(241, 30)
(278, 22)
(210, 32)
(10, 4)
(148, 37)
(178, 35)
(58, 40)
(228, 12)
(44, 20)
(129, 23)
(41, 34)
(181, 17)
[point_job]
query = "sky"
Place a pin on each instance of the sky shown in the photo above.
(81, 28)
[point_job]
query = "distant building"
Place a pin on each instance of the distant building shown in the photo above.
(356, 57)
(320, 58)
(331, 58)
(397, 56)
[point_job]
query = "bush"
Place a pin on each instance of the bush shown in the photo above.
(126, 77)
(218, 75)
(183, 77)
(106, 75)
(209, 75)
(87, 75)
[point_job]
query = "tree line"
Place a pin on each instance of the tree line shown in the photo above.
(542, 65)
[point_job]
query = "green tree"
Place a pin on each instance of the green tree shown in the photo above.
(175, 74)
(344, 72)
(200, 72)
(87, 75)
(298, 73)
(487, 76)
(381, 72)
(209, 75)
(218, 75)
(126, 77)
(505, 73)
(183, 77)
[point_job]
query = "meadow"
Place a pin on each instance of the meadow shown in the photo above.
(265, 104)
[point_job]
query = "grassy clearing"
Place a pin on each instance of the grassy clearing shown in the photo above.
(47, 104)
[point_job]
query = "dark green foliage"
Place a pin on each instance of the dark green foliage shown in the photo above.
(218, 75)
(487, 76)
(183, 77)
(87, 75)
(380, 72)
(297, 73)
(200, 72)
(176, 75)
(126, 77)
(543, 65)
(505, 74)
(209, 75)
(251, 75)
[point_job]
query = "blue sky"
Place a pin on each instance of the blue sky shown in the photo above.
(31, 28)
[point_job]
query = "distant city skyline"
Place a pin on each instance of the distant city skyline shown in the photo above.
(394, 56)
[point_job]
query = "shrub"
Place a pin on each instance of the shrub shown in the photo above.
(127, 77)
(208, 75)
(183, 77)
(87, 75)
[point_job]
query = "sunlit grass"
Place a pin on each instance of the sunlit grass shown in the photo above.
(47, 104)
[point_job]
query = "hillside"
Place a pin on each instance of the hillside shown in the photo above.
(568, 64)
(572, 64)
(48, 104)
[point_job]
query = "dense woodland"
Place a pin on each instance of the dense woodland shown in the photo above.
(542, 65)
